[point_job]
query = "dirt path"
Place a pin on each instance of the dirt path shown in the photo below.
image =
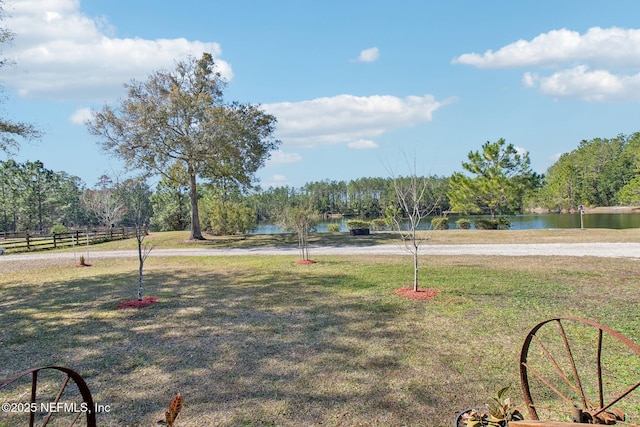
(608, 250)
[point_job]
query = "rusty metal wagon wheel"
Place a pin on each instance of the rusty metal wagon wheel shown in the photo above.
(579, 370)
(75, 409)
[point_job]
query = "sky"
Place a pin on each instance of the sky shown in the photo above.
(359, 88)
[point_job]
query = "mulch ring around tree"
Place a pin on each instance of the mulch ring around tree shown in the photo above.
(420, 294)
(134, 303)
(305, 262)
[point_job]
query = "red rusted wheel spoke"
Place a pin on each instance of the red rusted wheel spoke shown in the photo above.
(555, 365)
(572, 361)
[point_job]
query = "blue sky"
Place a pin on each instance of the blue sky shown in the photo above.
(356, 86)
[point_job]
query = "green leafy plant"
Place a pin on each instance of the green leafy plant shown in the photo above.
(500, 411)
(333, 228)
(358, 223)
(501, 223)
(463, 224)
(59, 229)
(440, 223)
(503, 409)
(379, 224)
(301, 220)
(225, 218)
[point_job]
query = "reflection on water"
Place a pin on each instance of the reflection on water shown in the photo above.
(518, 222)
(617, 221)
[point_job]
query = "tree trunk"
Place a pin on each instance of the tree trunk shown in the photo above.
(141, 259)
(140, 275)
(196, 231)
(415, 270)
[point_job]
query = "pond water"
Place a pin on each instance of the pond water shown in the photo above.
(518, 222)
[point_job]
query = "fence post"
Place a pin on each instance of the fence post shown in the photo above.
(54, 241)
(28, 245)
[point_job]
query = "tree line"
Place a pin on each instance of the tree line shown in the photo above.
(497, 180)
(600, 172)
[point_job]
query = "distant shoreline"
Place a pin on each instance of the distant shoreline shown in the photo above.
(613, 209)
(596, 210)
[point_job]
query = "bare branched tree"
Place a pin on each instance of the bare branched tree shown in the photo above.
(144, 249)
(135, 193)
(105, 203)
(414, 201)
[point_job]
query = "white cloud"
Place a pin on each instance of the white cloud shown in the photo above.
(275, 181)
(529, 79)
(362, 144)
(348, 118)
(597, 85)
(369, 55)
(611, 47)
(63, 54)
(589, 66)
(280, 157)
(80, 116)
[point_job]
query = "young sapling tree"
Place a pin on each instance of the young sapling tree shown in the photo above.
(136, 194)
(300, 219)
(415, 199)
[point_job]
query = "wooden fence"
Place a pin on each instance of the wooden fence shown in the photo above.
(23, 242)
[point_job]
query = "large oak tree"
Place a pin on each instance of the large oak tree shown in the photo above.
(9, 129)
(179, 118)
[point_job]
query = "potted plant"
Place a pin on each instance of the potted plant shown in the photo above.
(497, 413)
(358, 227)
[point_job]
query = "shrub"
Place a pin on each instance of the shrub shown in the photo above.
(492, 224)
(59, 229)
(463, 224)
(440, 223)
(503, 223)
(227, 218)
(485, 224)
(358, 223)
(333, 227)
(379, 224)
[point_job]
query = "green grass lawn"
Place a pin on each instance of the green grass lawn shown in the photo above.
(260, 341)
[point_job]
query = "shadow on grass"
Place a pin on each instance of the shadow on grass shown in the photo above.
(291, 239)
(244, 346)
(261, 341)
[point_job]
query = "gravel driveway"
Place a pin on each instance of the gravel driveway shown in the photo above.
(608, 250)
